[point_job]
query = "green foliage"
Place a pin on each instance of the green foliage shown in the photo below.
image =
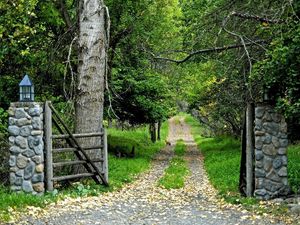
(4, 159)
(175, 174)
(220, 93)
(3, 121)
(139, 91)
(279, 72)
(9, 90)
(31, 43)
(143, 97)
(4, 147)
(120, 144)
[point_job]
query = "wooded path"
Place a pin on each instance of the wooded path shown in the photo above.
(144, 202)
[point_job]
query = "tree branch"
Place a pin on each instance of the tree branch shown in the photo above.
(202, 51)
(255, 17)
(65, 15)
(120, 35)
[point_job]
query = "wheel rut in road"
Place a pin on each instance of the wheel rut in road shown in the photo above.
(144, 202)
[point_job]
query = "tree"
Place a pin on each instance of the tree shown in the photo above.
(34, 41)
(235, 36)
(92, 61)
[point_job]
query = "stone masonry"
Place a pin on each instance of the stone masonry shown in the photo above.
(270, 153)
(26, 147)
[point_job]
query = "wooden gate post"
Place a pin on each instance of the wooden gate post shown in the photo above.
(249, 150)
(48, 147)
(105, 156)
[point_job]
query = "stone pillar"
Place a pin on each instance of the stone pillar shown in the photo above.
(26, 147)
(270, 153)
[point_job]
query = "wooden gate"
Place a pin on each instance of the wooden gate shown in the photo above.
(98, 172)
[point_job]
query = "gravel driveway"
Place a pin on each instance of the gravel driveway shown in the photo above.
(143, 202)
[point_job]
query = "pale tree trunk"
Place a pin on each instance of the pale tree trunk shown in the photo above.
(93, 43)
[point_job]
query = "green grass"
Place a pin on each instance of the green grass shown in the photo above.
(121, 171)
(11, 200)
(222, 162)
(124, 170)
(180, 148)
(176, 172)
(293, 153)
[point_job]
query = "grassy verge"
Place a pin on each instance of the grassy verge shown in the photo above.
(121, 171)
(176, 172)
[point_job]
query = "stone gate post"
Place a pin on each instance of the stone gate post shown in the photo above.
(26, 147)
(270, 153)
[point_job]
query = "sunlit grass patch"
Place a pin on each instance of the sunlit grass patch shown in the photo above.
(175, 174)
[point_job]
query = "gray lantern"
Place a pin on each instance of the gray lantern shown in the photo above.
(26, 90)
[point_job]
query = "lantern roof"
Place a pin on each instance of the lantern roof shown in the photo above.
(26, 81)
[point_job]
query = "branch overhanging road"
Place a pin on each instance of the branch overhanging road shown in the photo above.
(144, 202)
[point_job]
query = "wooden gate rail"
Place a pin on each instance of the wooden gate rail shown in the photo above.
(62, 136)
(97, 171)
(78, 155)
(80, 152)
(60, 150)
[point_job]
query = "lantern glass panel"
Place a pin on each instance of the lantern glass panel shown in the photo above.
(26, 93)
(26, 90)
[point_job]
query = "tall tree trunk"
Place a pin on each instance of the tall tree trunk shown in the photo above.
(93, 44)
(152, 131)
(158, 130)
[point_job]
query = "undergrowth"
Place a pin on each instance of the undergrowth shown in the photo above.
(176, 172)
